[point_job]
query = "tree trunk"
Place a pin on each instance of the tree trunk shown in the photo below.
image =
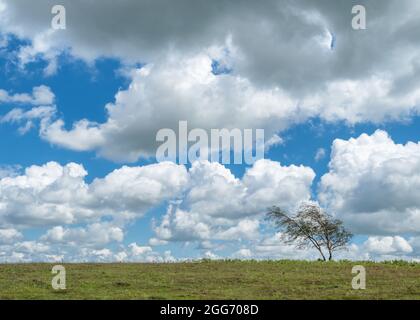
(322, 255)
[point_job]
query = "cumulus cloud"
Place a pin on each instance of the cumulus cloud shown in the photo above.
(93, 235)
(175, 89)
(132, 253)
(272, 246)
(289, 43)
(243, 254)
(26, 251)
(41, 251)
(219, 206)
(373, 184)
(208, 203)
(181, 88)
(83, 136)
(53, 194)
(9, 236)
(386, 245)
(9, 170)
(86, 254)
(269, 67)
(376, 248)
(59, 196)
(219, 67)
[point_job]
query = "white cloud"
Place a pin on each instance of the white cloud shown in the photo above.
(386, 245)
(53, 194)
(174, 89)
(93, 235)
(320, 154)
(272, 246)
(41, 95)
(43, 110)
(245, 229)
(287, 43)
(9, 236)
(83, 136)
(208, 203)
(210, 255)
(102, 255)
(9, 170)
(18, 115)
(137, 250)
(218, 206)
(275, 140)
(32, 247)
(179, 88)
(376, 248)
(243, 253)
(134, 189)
(31, 251)
(372, 184)
(296, 77)
(276, 68)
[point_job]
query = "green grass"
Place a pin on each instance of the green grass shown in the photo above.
(213, 280)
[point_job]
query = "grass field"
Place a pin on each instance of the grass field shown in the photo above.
(213, 280)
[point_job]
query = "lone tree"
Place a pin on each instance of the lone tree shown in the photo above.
(311, 226)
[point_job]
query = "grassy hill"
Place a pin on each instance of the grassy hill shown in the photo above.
(213, 280)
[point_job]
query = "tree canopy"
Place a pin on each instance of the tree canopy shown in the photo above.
(311, 226)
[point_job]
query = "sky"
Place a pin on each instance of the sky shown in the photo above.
(80, 108)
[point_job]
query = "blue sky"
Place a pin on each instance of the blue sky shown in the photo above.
(112, 90)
